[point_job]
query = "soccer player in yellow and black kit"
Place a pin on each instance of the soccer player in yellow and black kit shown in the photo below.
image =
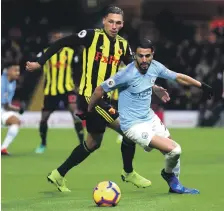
(103, 51)
(59, 87)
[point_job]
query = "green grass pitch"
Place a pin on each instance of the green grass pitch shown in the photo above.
(25, 187)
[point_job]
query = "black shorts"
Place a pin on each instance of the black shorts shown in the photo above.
(51, 103)
(102, 115)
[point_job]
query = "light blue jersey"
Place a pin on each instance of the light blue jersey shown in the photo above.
(135, 90)
(7, 89)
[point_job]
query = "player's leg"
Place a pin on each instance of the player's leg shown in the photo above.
(72, 107)
(83, 150)
(127, 148)
(128, 151)
(43, 128)
(78, 155)
(160, 129)
(12, 121)
(176, 169)
(50, 104)
(111, 118)
(144, 135)
(172, 152)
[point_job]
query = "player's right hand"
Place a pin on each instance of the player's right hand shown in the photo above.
(31, 66)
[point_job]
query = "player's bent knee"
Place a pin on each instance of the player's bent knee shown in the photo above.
(91, 147)
(97, 146)
(175, 153)
(92, 144)
(13, 120)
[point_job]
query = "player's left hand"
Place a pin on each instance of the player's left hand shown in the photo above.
(207, 90)
(162, 94)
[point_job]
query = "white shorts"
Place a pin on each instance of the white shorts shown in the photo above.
(142, 133)
(7, 114)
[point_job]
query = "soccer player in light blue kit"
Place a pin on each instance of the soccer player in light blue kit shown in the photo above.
(10, 115)
(138, 121)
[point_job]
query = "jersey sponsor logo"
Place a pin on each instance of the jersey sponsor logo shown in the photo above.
(82, 33)
(144, 94)
(106, 59)
(110, 82)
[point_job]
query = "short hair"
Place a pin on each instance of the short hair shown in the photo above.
(144, 43)
(114, 10)
(10, 64)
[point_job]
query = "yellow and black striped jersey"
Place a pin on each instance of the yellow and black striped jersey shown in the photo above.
(58, 72)
(101, 56)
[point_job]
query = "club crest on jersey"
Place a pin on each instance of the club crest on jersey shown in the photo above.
(120, 51)
(64, 58)
(110, 82)
(145, 135)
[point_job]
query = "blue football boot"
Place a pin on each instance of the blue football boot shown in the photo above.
(175, 185)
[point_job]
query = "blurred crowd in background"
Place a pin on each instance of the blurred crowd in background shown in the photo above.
(183, 46)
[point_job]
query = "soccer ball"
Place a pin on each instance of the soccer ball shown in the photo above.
(106, 194)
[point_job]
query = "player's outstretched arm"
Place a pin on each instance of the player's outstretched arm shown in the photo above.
(68, 41)
(96, 96)
(189, 81)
